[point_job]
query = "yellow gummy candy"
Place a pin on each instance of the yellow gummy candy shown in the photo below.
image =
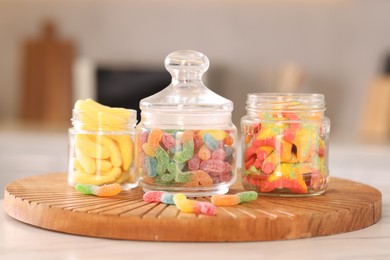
(216, 134)
(95, 115)
(103, 165)
(114, 172)
(87, 163)
(77, 165)
(114, 110)
(81, 178)
(126, 147)
(124, 177)
(183, 203)
(115, 154)
(90, 148)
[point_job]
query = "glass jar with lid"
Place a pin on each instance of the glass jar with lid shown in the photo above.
(186, 141)
(285, 144)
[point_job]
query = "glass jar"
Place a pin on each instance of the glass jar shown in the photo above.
(101, 145)
(186, 141)
(285, 144)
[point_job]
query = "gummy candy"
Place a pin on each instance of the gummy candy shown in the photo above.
(162, 160)
(153, 142)
(284, 153)
(234, 199)
(198, 178)
(194, 163)
(216, 134)
(213, 165)
(126, 149)
(151, 166)
(168, 141)
(204, 153)
(158, 196)
(218, 154)
(107, 190)
(98, 158)
(210, 142)
(90, 148)
(188, 147)
(115, 154)
(193, 206)
(182, 158)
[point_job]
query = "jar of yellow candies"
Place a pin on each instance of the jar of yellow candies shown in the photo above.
(285, 144)
(101, 145)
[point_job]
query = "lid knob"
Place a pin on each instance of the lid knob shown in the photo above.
(186, 61)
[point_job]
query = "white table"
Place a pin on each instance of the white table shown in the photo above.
(367, 164)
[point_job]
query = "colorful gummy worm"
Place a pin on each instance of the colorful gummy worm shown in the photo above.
(186, 158)
(285, 153)
(181, 202)
(199, 207)
(159, 196)
(193, 206)
(107, 190)
(233, 199)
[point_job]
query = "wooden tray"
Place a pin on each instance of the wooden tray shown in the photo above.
(47, 202)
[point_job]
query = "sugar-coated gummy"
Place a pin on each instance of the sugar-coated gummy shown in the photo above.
(286, 156)
(193, 206)
(107, 190)
(233, 199)
(180, 154)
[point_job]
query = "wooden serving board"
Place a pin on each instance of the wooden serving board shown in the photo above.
(48, 202)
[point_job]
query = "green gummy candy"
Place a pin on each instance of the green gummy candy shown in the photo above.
(172, 168)
(168, 177)
(183, 177)
(84, 188)
(162, 160)
(186, 153)
(247, 196)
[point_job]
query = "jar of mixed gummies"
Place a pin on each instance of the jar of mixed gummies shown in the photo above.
(285, 144)
(101, 145)
(186, 141)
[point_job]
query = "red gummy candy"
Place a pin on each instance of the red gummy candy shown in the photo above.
(270, 141)
(168, 140)
(250, 152)
(213, 165)
(249, 163)
(194, 163)
(267, 167)
(198, 141)
(218, 154)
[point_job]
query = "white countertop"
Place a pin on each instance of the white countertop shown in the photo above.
(32, 153)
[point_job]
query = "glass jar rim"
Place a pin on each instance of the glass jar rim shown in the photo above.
(104, 121)
(286, 101)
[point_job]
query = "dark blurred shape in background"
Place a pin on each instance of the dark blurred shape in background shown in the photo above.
(125, 87)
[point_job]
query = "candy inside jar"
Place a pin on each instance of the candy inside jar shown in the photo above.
(186, 141)
(285, 144)
(101, 145)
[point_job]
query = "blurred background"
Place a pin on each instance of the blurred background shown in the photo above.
(55, 52)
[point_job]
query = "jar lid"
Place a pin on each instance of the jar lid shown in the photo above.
(186, 93)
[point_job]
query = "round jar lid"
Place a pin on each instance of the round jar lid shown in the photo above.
(186, 93)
